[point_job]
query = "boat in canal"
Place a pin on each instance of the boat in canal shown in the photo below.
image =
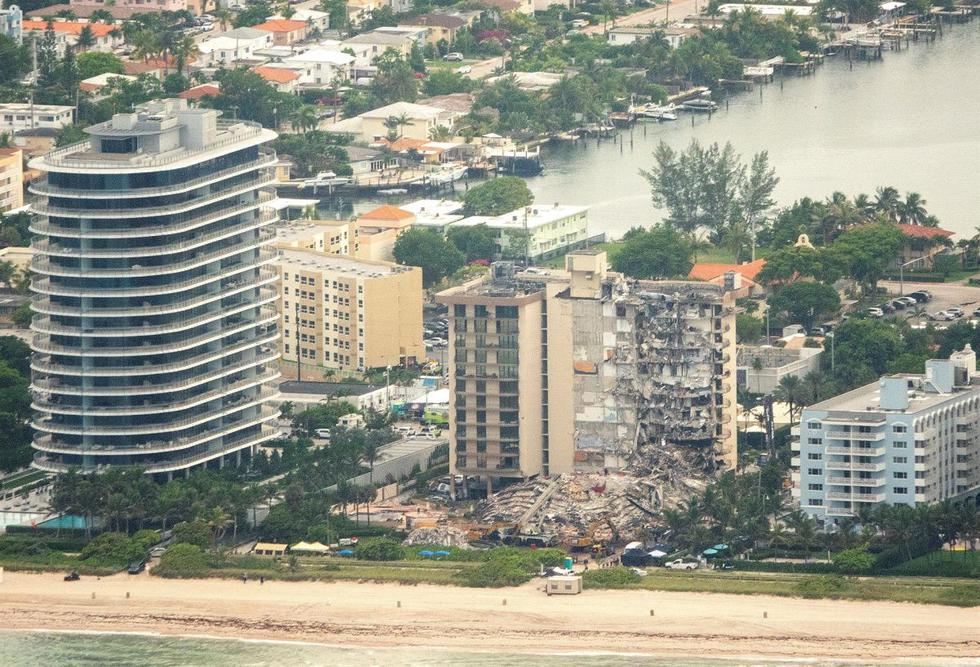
(699, 105)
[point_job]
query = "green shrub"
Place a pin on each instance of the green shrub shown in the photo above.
(380, 548)
(614, 577)
(962, 595)
(146, 538)
(854, 561)
(824, 585)
(183, 560)
(193, 532)
(113, 549)
(506, 571)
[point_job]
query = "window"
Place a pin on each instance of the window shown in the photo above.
(815, 441)
(121, 145)
(900, 445)
(814, 457)
(902, 490)
(816, 472)
(459, 310)
(900, 428)
(900, 475)
(900, 459)
(815, 487)
(814, 426)
(816, 502)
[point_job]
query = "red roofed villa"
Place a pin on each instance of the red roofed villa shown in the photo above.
(284, 31)
(744, 285)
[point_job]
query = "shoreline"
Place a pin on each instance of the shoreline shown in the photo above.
(514, 620)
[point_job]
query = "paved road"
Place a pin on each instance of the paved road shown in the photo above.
(944, 295)
(672, 11)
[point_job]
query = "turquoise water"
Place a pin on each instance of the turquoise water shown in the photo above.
(57, 649)
(66, 521)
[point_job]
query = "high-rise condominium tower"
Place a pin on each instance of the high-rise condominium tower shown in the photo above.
(155, 321)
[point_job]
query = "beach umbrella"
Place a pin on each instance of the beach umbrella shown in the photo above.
(720, 547)
(440, 553)
(710, 552)
(345, 552)
(426, 554)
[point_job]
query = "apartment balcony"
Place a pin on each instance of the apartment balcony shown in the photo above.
(856, 451)
(49, 464)
(267, 294)
(924, 434)
(854, 435)
(45, 267)
(857, 481)
(263, 180)
(166, 248)
(839, 511)
(56, 386)
(43, 188)
(857, 497)
(852, 465)
(42, 363)
(156, 408)
(794, 431)
(41, 343)
(794, 446)
(44, 324)
(185, 224)
(47, 425)
(45, 286)
(794, 462)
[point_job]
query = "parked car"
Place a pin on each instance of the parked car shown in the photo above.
(453, 57)
(682, 564)
(876, 312)
(136, 567)
(976, 312)
(907, 300)
(725, 565)
(72, 576)
(156, 552)
(465, 69)
(941, 316)
(322, 433)
(921, 295)
(955, 311)
(897, 304)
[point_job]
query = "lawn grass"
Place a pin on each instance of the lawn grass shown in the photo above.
(922, 590)
(950, 563)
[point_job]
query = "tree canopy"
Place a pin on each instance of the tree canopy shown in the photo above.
(428, 250)
(805, 302)
(498, 196)
(661, 252)
(476, 241)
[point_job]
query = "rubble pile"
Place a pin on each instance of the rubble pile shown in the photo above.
(443, 536)
(597, 506)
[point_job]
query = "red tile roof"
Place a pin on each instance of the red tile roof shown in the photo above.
(70, 27)
(276, 74)
(197, 92)
(281, 25)
(708, 271)
(387, 212)
(918, 231)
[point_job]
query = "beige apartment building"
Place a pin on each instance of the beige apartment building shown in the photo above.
(11, 178)
(346, 314)
(583, 370)
(338, 237)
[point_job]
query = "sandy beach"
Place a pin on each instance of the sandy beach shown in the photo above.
(367, 614)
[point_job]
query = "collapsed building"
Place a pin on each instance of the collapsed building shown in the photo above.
(583, 371)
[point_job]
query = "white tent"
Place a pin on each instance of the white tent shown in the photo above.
(435, 397)
(310, 547)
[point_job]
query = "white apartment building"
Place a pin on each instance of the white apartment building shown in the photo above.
(906, 439)
(550, 230)
(322, 65)
(11, 23)
(17, 116)
(232, 46)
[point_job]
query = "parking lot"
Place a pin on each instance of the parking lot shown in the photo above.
(944, 296)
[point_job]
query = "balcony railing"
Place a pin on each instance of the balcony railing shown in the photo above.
(44, 324)
(857, 481)
(43, 266)
(43, 305)
(155, 408)
(153, 211)
(43, 188)
(854, 435)
(54, 385)
(45, 286)
(48, 425)
(57, 250)
(41, 363)
(856, 451)
(264, 435)
(175, 227)
(850, 465)
(41, 342)
(234, 132)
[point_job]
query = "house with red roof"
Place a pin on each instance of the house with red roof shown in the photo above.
(284, 79)
(285, 32)
(197, 92)
(737, 278)
(923, 243)
(67, 33)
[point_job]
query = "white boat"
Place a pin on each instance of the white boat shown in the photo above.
(699, 104)
(447, 173)
(657, 112)
(324, 179)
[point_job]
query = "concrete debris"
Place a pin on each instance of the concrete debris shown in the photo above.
(443, 536)
(596, 507)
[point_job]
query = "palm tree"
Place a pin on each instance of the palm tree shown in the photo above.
(305, 118)
(102, 15)
(864, 205)
(183, 50)
(886, 201)
(805, 528)
(440, 133)
(402, 120)
(913, 210)
(789, 390)
(223, 17)
(218, 520)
